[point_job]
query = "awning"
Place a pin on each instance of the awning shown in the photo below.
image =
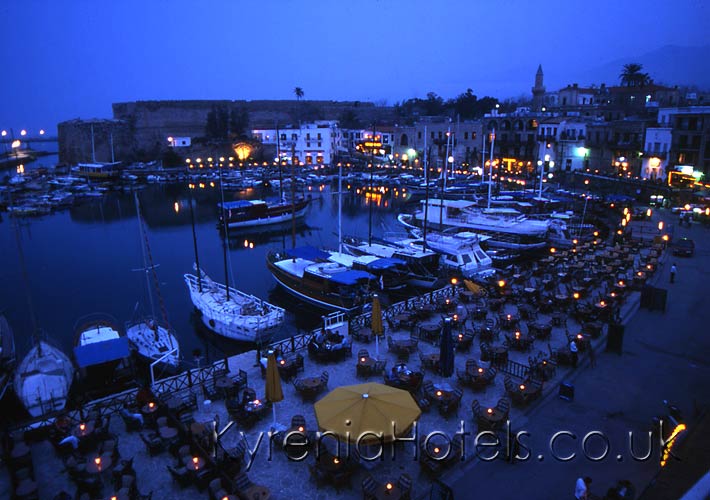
(101, 352)
(308, 253)
(386, 263)
(350, 277)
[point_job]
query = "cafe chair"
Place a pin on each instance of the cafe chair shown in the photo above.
(405, 485)
(324, 380)
(363, 353)
(216, 490)
(242, 483)
(248, 395)
(503, 406)
(427, 387)
(475, 408)
(369, 488)
(380, 366)
(152, 442)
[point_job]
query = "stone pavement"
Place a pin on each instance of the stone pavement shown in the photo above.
(665, 356)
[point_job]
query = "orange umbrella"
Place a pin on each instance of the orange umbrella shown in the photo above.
(274, 393)
(376, 322)
(364, 411)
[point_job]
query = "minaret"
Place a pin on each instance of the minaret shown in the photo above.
(538, 91)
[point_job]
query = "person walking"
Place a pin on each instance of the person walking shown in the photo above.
(573, 352)
(592, 357)
(581, 489)
(673, 271)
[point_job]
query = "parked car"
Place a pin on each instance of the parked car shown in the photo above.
(684, 246)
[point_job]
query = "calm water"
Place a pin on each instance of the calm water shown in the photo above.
(84, 260)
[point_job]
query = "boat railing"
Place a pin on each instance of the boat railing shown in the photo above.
(114, 403)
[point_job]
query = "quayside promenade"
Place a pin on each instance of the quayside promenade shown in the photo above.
(514, 340)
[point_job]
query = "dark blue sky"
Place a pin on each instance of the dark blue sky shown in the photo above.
(73, 58)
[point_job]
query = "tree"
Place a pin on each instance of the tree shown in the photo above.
(631, 76)
(217, 126)
(238, 123)
(298, 92)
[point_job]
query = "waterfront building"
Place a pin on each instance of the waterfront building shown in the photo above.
(314, 143)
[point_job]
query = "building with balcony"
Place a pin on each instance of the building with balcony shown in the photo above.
(657, 142)
(690, 143)
(313, 143)
(562, 140)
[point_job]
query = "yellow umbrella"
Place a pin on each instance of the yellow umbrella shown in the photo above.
(274, 393)
(376, 322)
(366, 411)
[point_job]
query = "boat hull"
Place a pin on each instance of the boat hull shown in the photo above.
(43, 379)
(151, 346)
(267, 221)
(227, 319)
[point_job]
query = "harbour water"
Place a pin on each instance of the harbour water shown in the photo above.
(88, 259)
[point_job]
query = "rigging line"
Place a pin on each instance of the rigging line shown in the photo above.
(161, 302)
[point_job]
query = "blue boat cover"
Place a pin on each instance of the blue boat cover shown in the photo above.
(234, 204)
(308, 253)
(386, 263)
(350, 277)
(101, 352)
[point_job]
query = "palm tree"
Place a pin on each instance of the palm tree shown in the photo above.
(631, 76)
(298, 91)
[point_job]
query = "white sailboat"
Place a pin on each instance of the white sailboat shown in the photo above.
(43, 379)
(227, 311)
(152, 341)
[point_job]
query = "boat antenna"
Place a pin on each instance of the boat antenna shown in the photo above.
(225, 236)
(194, 241)
(372, 170)
(426, 187)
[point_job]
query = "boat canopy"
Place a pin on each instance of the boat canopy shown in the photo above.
(350, 277)
(308, 253)
(230, 205)
(101, 352)
(385, 263)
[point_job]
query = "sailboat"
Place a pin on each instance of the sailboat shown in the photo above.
(7, 355)
(45, 374)
(151, 340)
(227, 311)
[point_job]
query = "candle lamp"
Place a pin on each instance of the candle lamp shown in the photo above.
(480, 370)
(490, 411)
(151, 405)
(82, 427)
(336, 460)
(575, 295)
(436, 451)
(522, 387)
(438, 393)
(362, 360)
(283, 362)
(389, 486)
(300, 428)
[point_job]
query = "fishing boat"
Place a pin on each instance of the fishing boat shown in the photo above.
(422, 265)
(232, 313)
(43, 379)
(249, 213)
(7, 355)
(310, 275)
(100, 347)
(154, 342)
(224, 310)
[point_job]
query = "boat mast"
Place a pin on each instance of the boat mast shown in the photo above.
(340, 207)
(145, 259)
(372, 169)
(194, 242)
(225, 236)
(113, 157)
(93, 149)
(278, 159)
(443, 184)
(426, 187)
(293, 194)
(490, 166)
(26, 279)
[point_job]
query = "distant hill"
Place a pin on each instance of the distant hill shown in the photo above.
(669, 65)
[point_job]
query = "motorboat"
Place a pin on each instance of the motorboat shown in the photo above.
(250, 213)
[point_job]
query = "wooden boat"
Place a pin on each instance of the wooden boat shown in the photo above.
(100, 346)
(250, 213)
(43, 379)
(310, 275)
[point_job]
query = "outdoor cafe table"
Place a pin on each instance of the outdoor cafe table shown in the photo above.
(254, 407)
(429, 331)
(257, 492)
(394, 493)
(310, 382)
(493, 416)
(86, 431)
(431, 359)
(167, 432)
(442, 392)
(93, 468)
(424, 310)
(366, 361)
(407, 344)
(194, 465)
(477, 374)
(405, 319)
(508, 321)
(330, 463)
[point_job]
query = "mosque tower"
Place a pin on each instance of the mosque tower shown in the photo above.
(538, 91)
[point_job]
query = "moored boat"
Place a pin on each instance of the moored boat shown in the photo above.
(232, 313)
(100, 346)
(43, 379)
(250, 213)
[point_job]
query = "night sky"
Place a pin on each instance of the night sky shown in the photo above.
(72, 58)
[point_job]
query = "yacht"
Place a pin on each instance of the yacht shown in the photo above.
(43, 379)
(506, 227)
(100, 346)
(7, 355)
(249, 213)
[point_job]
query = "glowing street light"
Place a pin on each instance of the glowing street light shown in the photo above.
(23, 132)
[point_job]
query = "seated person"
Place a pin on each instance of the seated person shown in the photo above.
(320, 337)
(70, 439)
(132, 416)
